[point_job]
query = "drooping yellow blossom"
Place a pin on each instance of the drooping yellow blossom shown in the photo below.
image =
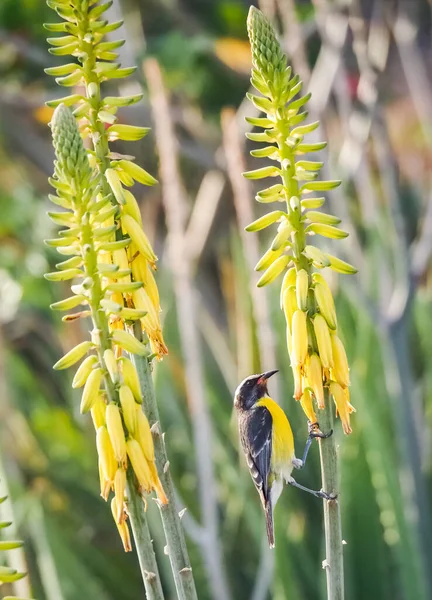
(307, 405)
(122, 525)
(318, 358)
(344, 408)
(101, 280)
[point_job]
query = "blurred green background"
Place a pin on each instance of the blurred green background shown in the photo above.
(367, 64)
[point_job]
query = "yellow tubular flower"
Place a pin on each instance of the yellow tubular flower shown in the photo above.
(128, 342)
(299, 338)
(157, 485)
(324, 299)
(151, 322)
(144, 435)
(106, 454)
(74, 355)
(151, 288)
(298, 381)
(340, 370)
(91, 390)
(120, 258)
(117, 297)
(119, 490)
(97, 411)
(128, 406)
(130, 378)
(315, 378)
(289, 343)
(324, 342)
(288, 281)
(137, 235)
(105, 484)
(289, 305)
(138, 265)
(274, 270)
(307, 406)
(302, 288)
(84, 371)
(268, 258)
(116, 433)
(111, 364)
(139, 464)
(145, 441)
(344, 408)
(131, 206)
(142, 301)
(122, 527)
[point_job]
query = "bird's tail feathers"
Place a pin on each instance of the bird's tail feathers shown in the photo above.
(269, 523)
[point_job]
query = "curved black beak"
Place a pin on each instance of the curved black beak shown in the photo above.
(263, 378)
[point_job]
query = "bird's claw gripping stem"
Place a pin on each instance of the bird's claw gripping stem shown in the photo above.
(325, 496)
(315, 431)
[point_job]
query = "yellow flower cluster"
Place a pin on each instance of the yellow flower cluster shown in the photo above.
(317, 354)
(100, 264)
(127, 256)
(318, 357)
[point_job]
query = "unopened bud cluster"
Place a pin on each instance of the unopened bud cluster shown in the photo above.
(126, 256)
(9, 574)
(96, 243)
(317, 354)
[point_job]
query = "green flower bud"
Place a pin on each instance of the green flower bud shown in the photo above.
(267, 55)
(68, 145)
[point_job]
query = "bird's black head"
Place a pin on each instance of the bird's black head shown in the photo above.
(252, 389)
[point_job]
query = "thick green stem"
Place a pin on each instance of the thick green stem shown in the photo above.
(143, 541)
(332, 516)
(174, 534)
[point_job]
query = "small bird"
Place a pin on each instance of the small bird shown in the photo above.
(268, 444)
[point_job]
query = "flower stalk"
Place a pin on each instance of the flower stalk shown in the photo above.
(318, 358)
(173, 529)
(102, 374)
(124, 302)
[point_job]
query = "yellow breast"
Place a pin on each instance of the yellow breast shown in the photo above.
(283, 440)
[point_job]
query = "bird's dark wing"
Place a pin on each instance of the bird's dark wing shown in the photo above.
(256, 437)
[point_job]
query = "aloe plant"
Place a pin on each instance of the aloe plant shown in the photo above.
(110, 263)
(317, 354)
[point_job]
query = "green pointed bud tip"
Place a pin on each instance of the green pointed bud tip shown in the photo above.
(67, 141)
(267, 56)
